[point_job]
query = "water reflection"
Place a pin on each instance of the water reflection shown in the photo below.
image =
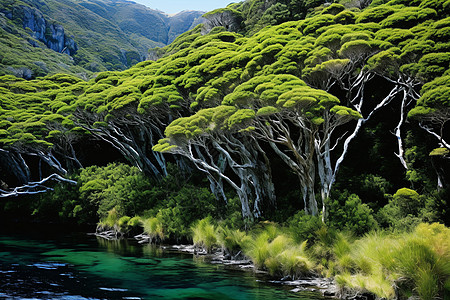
(89, 267)
(152, 250)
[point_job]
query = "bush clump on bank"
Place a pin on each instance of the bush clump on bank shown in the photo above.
(398, 264)
(385, 264)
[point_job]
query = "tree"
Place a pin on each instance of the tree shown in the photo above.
(212, 139)
(298, 123)
(433, 109)
(228, 18)
(24, 130)
(433, 112)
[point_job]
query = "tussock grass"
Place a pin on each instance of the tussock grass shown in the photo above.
(204, 234)
(231, 240)
(397, 263)
(112, 219)
(376, 284)
(278, 253)
(122, 223)
(135, 222)
(295, 261)
(111, 222)
(257, 249)
(154, 228)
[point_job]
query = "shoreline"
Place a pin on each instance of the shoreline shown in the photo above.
(327, 287)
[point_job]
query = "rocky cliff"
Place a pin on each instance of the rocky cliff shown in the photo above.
(48, 32)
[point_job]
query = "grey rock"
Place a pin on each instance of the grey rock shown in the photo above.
(50, 33)
(21, 72)
(228, 19)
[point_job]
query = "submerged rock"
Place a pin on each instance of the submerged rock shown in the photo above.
(326, 286)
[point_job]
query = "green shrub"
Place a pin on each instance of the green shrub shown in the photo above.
(303, 226)
(348, 212)
(135, 222)
(178, 204)
(406, 209)
(116, 185)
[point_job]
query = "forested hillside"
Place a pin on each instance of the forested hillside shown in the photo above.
(97, 35)
(336, 116)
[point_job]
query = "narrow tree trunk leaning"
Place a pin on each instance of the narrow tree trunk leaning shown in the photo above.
(20, 170)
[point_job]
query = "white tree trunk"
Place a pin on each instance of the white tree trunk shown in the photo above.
(35, 187)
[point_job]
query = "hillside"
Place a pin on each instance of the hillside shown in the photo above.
(98, 35)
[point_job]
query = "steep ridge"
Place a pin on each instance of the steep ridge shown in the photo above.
(98, 35)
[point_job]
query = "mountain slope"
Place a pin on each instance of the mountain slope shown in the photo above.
(99, 35)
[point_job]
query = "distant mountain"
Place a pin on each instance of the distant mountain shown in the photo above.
(38, 37)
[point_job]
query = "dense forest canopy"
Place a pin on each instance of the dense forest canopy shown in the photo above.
(230, 103)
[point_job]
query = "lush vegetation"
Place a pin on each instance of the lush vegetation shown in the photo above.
(387, 265)
(316, 145)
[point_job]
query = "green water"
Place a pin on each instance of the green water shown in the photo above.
(77, 266)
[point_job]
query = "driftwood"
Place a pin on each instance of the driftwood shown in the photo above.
(108, 235)
(143, 238)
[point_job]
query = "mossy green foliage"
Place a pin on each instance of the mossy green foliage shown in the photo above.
(434, 98)
(222, 67)
(257, 14)
(30, 108)
(256, 76)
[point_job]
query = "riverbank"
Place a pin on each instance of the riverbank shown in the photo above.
(381, 264)
(325, 286)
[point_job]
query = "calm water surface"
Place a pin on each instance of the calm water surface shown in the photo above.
(78, 266)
